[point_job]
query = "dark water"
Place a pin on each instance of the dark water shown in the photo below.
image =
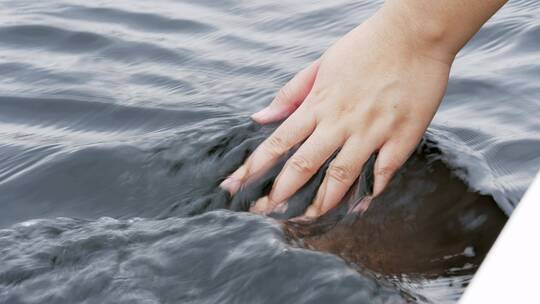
(118, 121)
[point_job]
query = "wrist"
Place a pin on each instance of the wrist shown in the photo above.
(430, 36)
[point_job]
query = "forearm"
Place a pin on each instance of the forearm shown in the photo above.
(441, 26)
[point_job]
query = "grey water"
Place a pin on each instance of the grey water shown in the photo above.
(118, 119)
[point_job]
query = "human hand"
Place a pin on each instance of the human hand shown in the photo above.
(374, 90)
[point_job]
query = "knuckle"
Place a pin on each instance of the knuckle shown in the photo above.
(301, 164)
(340, 173)
(387, 169)
(275, 145)
(398, 119)
(318, 94)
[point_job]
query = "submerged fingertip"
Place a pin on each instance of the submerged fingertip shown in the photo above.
(280, 208)
(262, 206)
(312, 212)
(256, 210)
(258, 118)
(268, 115)
(231, 184)
(302, 219)
(363, 205)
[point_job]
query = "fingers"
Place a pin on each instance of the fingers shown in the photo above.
(289, 96)
(291, 132)
(341, 174)
(392, 155)
(301, 167)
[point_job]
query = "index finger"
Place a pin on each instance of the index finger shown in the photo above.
(291, 132)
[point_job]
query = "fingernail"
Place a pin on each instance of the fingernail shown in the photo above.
(235, 180)
(266, 114)
(231, 184)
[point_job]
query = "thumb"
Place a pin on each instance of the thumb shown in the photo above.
(289, 96)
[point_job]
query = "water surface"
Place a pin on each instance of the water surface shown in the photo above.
(118, 121)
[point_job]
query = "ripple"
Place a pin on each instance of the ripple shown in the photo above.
(24, 72)
(136, 20)
(152, 80)
(65, 41)
(530, 42)
(138, 109)
(145, 261)
(84, 115)
(44, 36)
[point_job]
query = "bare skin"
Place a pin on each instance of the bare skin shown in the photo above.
(375, 90)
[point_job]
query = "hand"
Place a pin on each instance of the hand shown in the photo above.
(375, 90)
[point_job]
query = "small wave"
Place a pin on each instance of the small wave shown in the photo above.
(50, 37)
(137, 20)
(167, 261)
(35, 36)
(88, 115)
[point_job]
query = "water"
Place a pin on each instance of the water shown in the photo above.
(118, 121)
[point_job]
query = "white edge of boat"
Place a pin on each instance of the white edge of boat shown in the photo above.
(511, 271)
